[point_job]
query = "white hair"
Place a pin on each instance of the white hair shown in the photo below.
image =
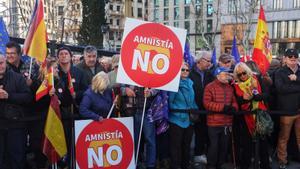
(200, 54)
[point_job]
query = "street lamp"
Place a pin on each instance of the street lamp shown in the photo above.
(105, 30)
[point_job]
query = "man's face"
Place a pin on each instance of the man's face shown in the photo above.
(64, 57)
(2, 65)
(226, 63)
(291, 60)
(12, 55)
(204, 63)
(90, 59)
(223, 77)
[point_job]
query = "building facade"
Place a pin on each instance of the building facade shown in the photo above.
(201, 19)
(283, 20)
(116, 13)
(68, 20)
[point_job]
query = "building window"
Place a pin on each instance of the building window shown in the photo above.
(277, 4)
(198, 26)
(283, 29)
(111, 7)
(275, 29)
(209, 25)
(198, 10)
(60, 10)
(176, 24)
(296, 3)
(176, 13)
(198, 1)
(291, 29)
(187, 2)
(210, 10)
(111, 21)
(297, 35)
(187, 12)
(118, 8)
(156, 3)
(176, 2)
(166, 2)
(187, 26)
(166, 14)
(140, 12)
(210, 1)
(140, 1)
(156, 15)
(166, 23)
(232, 5)
(118, 22)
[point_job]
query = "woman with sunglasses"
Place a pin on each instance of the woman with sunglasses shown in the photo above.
(181, 129)
(250, 97)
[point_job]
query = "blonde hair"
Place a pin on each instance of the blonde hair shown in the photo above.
(243, 66)
(100, 82)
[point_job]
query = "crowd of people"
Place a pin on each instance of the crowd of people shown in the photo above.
(222, 135)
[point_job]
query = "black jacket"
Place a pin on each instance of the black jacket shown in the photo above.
(87, 71)
(198, 86)
(79, 83)
(288, 92)
(18, 94)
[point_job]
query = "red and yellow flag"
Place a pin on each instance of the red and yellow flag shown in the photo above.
(54, 145)
(36, 41)
(70, 84)
(262, 52)
(46, 85)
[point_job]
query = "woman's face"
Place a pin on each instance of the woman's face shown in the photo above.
(242, 74)
(185, 71)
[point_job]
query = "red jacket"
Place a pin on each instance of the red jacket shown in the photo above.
(216, 96)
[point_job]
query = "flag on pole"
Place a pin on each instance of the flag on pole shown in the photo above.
(54, 144)
(187, 56)
(235, 51)
(70, 84)
(35, 44)
(4, 38)
(214, 57)
(46, 85)
(262, 52)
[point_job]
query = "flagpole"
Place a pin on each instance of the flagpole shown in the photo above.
(140, 134)
(112, 108)
(52, 76)
(30, 68)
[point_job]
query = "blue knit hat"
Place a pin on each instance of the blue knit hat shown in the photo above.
(219, 70)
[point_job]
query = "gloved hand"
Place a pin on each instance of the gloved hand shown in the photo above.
(257, 97)
(228, 109)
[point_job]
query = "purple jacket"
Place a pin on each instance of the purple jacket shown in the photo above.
(94, 105)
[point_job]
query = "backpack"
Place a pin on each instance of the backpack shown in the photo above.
(264, 123)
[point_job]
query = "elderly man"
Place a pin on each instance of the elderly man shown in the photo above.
(288, 93)
(14, 95)
(226, 60)
(89, 64)
(201, 76)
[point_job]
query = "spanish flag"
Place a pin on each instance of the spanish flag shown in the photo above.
(262, 52)
(46, 85)
(35, 44)
(54, 145)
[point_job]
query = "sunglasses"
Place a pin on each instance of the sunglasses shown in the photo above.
(291, 56)
(241, 74)
(185, 70)
(226, 62)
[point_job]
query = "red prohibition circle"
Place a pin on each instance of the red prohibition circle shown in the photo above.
(152, 31)
(107, 126)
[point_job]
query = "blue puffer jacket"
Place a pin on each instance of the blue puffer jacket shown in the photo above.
(94, 105)
(183, 99)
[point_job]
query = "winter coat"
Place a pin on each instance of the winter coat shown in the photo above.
(183, 99)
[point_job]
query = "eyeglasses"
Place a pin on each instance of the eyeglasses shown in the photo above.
(291, 56)
(206, 60)
(241, 74)
(11, 53)
(185, 70)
